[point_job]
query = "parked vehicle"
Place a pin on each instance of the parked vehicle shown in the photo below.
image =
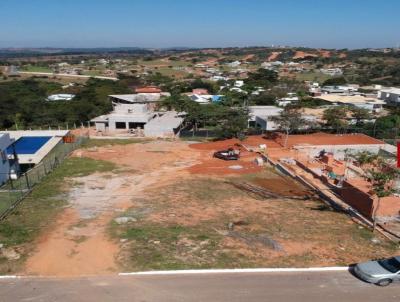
(381, 272)
(229, 154)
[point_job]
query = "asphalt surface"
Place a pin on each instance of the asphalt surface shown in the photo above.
(282, 287)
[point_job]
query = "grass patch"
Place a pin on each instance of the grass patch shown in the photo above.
(161, 247)
(112, 142)
(33, 68)
(197, 139)
(39, 208)
(312, 76)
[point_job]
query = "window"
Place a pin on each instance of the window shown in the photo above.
(120, 125)
(136, 125)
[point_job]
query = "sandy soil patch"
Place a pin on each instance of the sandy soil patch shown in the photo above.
(79, 244)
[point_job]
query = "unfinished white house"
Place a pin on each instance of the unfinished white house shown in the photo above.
(136, 114)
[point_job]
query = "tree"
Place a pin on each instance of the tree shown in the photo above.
(380, 181)
(212, 87)
(262, 77)
(335, 81)
(365, 157)
(360, 114)
(233, 123)
(263, 99)
(335, 117)
(387, 126)
(289, 119)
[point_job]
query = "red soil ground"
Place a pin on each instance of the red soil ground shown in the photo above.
(302, 55)
(210, 165)
(332, 139)
(325, 53)
(273, 56)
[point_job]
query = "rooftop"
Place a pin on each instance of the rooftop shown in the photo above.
(391, 90)
(139, 97)
(349, 99)
(169, 120)
(148, 89)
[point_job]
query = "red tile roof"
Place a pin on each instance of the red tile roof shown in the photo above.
(148, 89)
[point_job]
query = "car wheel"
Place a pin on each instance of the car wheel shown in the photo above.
(384, 282)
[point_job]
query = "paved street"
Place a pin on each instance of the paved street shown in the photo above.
(311, 286)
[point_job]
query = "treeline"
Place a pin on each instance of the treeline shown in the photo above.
(23, 103)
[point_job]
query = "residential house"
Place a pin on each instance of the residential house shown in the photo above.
(234, 64)
(369, 103)
(205, 98)
(60, 97)
(332, 71)
(390, 95)
(260, 117)
(137, 114)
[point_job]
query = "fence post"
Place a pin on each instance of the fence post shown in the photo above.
(11, 182)
(27, 181)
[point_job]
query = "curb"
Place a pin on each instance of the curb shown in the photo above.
(10, 277)
(235, 271)
(206, 271)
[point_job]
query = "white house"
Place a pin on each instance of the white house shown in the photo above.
(234, 64)
(390, 95)
(332, 71)
(205, 98)
(217, 78)
(133, 114)
(272, 65)
(260, 116)
(289, 99)
(239, 83)
(60, 97)
(371, 104)
(340, 89)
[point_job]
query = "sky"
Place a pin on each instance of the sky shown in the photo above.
(199, 23)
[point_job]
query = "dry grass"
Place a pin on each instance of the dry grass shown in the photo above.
(186, 225)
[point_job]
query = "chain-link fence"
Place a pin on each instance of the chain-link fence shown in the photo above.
(15, 190)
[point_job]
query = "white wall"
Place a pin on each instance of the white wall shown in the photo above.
(5, 141)
(339, 151)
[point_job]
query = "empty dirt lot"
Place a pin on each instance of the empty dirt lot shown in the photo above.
(170, 205)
